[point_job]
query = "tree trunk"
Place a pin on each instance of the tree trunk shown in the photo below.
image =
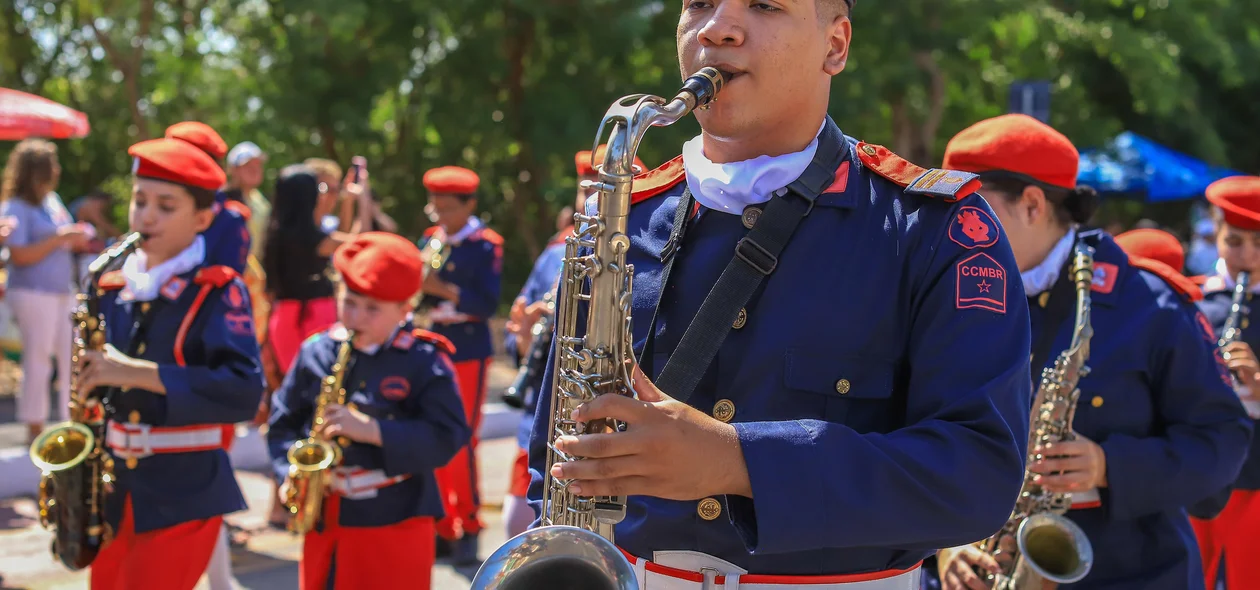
(517, 47)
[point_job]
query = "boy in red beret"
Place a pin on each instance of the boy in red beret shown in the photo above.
(461, 293)
(180, 366)
(403, 420)
(1227, 534)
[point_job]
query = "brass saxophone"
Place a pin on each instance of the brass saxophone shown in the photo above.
(1049, 548)
(312, 459)
(573, 547)
(77, 470)
(435, 254)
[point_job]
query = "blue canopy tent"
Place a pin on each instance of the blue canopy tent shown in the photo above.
(1134, 165)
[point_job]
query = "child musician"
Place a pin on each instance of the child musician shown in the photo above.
(182, 362)
(403, 420)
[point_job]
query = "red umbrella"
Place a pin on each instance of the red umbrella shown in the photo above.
(25, 115)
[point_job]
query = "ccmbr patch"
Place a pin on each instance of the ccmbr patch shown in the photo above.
(981, 283)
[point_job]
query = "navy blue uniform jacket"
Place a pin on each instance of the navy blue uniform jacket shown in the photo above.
(880, 383)
(1157, 402)
(201, 336)
(475, 266)
(408, 386)
(227, 238)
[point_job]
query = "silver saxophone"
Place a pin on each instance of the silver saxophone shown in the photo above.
(573, 546)
(1235, 323)
(1049, 549)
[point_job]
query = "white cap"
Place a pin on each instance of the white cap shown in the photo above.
(243, 152)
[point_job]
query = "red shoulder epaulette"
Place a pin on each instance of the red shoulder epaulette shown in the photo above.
(217, 276)
(491, 236)
(429, 231)
(947, 185)
(1179, 282)
(442, 342)
(654, 182)
(241, 208)
(112, 281)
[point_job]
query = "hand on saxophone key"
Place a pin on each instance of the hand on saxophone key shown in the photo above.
(1070, 466)
(349, 422)
(110, 367)
(670, 450)
(958, 566)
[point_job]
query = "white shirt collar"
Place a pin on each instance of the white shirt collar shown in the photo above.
(732, 186)
(144, 284)
(1041, 277)
(474, 223)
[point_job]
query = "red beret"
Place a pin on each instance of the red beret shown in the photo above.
(380, 265)
(1154, 244)
(200, 135)
(1015, 143)
(176, 161)
(451, 180)
(583, 161)
(1239, 199)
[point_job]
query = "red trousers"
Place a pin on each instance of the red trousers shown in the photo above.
(172, 558)
(1231, 534)
(367, 558)
(457, 480)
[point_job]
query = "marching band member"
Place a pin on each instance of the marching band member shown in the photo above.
(527, 310)
(869, 402)
(1157, 428)
(227, 238)
(404, 420)
(1230, 536)
(1155, 244)
(183, 358)
(460, 298)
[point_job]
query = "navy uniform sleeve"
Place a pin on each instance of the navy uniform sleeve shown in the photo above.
(539, 434)
(228, 241)
(1205, 434)
(291, 410)
(948, 477)
(481, 298)
(228, 387)
(433, 428)
(532, 291)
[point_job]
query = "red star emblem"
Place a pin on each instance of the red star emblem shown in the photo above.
(984, 286)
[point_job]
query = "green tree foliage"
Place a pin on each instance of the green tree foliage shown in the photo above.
(513, 88)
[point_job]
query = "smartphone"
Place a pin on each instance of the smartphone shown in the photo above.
(357, 165)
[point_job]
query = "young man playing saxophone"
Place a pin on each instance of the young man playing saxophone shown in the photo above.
(868, 403)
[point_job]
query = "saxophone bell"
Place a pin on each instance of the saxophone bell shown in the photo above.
(1053, 549)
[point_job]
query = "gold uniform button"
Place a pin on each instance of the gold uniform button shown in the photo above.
(724, 410)
(134, 417)
(1097, 402)
(1043, 299)
(450, 266)
(132, 462)
(709, 509)
(740, 319)
(140, 349)
(750, 216)
(144, 307)
(869, 149)
(843, 386)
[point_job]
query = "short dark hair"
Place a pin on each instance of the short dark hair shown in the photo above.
(203, 198)
(1075, 206)
(830, 9)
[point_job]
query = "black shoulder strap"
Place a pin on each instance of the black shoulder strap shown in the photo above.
(756, 256)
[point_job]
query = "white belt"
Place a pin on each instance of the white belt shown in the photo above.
(1086, 499)
(355, 483)
(690, 570)
(137, 441)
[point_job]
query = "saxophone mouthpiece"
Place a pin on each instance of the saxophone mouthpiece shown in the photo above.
(704, 85)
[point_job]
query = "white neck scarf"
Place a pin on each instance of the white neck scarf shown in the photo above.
(1041, 277)
(144, 284)
(732, 186)
(474, 222)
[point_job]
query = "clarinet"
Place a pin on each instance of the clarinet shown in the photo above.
(1239, 309)
(535, 357)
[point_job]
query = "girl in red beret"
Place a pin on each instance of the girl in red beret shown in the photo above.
(404, 420)
(1156, 426)
(1226, 525)
(179, 367)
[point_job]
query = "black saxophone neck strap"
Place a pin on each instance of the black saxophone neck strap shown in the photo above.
(755, 259)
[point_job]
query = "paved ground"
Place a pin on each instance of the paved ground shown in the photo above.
(268, 559)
